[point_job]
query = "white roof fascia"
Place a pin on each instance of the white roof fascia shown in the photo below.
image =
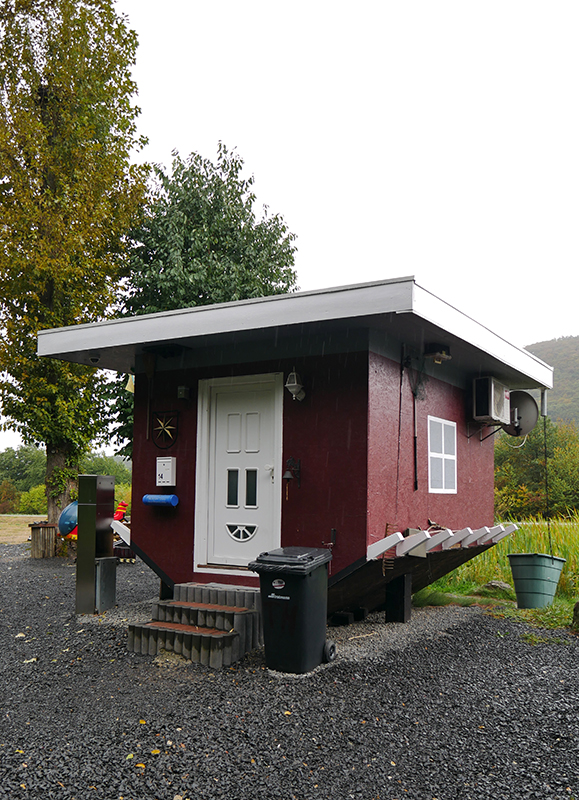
(399, 296)
(346, 302)
(429, 307)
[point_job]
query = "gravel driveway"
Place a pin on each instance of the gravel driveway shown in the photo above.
(455, 704)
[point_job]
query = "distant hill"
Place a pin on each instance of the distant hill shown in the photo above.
(563, 355)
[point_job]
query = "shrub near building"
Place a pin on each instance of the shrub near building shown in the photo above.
(520, 477)
(9, 498)
(33, 501)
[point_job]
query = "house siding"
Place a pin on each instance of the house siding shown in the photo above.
(354, 436)
(326, 432)
(164, 533)
(395, 507)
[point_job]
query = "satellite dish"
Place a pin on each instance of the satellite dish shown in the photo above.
(524, 414)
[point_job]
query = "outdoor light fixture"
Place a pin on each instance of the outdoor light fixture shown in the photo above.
(294, 386)
(437, 352)
(293, 469)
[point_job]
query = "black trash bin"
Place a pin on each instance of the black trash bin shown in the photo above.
(294, 597)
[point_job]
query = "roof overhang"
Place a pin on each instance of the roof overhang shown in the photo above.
(403, 310)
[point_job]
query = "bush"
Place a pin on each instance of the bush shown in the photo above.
(101, 464)
(520, 478)
(9, 498)
(33, 501)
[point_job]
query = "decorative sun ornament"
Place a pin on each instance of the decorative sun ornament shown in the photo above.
(165, 429)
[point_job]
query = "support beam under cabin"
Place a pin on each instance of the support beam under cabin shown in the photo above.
(398, 598)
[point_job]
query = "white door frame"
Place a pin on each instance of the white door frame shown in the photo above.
(202, 479)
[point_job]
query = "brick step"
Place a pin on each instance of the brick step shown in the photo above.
(211, 624)
(212, 615)
(206, 646)
(218, 594)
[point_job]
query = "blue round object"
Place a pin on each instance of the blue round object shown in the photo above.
(160, 500)
(68, 519)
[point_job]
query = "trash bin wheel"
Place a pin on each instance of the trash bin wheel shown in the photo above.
(329, 651)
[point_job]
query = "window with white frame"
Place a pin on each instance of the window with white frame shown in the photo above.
(441, 456)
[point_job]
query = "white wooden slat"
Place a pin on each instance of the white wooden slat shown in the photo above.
(457, 537)
(512, 528)
(438, 538)
(507, 531)
(376, 549)
(494, 531)
(122, 530)
(475, 536)
(406, 546)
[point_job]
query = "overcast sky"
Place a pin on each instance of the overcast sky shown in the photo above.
(435, 139)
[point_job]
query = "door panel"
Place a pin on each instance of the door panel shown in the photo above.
(244, 482)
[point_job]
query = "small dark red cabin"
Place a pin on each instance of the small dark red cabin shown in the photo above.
(341, 418)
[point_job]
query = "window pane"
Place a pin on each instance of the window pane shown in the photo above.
(436, 473)
(449, 440)
(251, 487)
(449, 474)
(232, 487)
(435, 436)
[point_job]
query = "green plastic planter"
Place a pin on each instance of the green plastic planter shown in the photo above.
(536, 576)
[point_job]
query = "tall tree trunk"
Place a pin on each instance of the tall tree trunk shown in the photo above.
(61, 480)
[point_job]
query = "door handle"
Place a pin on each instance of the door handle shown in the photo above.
(270, 469)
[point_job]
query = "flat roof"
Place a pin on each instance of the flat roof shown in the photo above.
(400, 307)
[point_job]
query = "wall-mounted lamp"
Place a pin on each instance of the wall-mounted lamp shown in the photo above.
(437, 352)
(294, 386)
(94, 358)
(293, 469)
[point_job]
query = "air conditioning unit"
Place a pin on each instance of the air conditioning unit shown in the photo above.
(491, 401)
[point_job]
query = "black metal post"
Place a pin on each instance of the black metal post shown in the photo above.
(96, 502)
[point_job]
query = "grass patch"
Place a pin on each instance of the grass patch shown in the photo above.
(534, 639)
(14, 527)
(556, 616)
(559, 615)
(531, 537)
(431, 597)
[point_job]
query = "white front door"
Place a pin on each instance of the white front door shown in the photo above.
(243, 464)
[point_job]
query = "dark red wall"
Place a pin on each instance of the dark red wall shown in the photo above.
(353, 445)
(391, 455)
(165, 534)
(326, 431)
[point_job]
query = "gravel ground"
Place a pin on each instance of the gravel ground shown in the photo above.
(456, 704)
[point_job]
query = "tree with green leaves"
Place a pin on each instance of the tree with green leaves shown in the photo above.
(201, 242)
(524, 486)
(9, 498)
(24, 467)
(101, 464)
(68, 196)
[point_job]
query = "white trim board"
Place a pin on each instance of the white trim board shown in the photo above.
(114, 344)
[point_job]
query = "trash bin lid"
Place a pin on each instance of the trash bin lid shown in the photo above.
(291, 559)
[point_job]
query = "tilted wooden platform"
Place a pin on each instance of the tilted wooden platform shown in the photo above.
(216, 625)
(425, 556)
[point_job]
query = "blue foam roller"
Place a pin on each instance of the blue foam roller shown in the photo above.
(160, 499)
